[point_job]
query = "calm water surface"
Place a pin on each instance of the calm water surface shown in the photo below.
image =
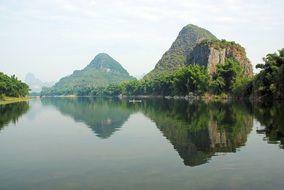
(83, 143)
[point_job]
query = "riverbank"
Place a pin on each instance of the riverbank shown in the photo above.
(191, 97)
(9, 100)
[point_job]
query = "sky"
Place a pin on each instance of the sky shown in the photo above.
(52, 38)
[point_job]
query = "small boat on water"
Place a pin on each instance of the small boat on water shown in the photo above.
(135, 101)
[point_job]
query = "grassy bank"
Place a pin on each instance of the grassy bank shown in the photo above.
(9, 100)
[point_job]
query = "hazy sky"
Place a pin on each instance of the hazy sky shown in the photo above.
(54, 37)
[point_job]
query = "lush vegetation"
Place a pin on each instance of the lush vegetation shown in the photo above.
(181, 82)
(192, 79)
(103, 70)
(12, 87)
(228, 80)
(270, 80)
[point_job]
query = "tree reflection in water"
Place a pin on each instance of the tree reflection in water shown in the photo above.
(271, 117)
(12, 112)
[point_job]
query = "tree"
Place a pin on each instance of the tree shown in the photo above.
(193, 78)
(229, 77)
(11, 86)
(270, 80)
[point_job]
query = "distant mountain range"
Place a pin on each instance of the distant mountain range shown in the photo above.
(102, 71)
(36, 84)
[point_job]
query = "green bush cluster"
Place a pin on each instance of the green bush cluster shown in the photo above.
(229, 78)
(11, 86)
(270, 80)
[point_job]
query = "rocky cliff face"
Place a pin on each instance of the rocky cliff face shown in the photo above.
(212, 53)
(195, 45)
(181, 48)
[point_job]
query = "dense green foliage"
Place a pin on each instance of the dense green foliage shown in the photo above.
(191, 79)
(102, 71)
(186, 79)
(11, 86)
(270, 80)
(229, 78)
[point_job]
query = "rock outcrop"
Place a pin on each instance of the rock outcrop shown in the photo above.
(195, 45)
(212, 53)
(181, 48)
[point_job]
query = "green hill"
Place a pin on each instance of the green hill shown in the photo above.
(102, 71)
(181, 49)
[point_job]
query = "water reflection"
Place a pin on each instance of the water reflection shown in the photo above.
(155, 147)
(271, 117)
(199, 130)
(12, 112)
(103, 116)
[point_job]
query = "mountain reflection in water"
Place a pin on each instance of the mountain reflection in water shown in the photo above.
(199, 130)
(196, 130)
(87, 143)
(103, 116)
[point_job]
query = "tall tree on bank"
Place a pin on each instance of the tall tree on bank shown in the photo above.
(270, 80)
